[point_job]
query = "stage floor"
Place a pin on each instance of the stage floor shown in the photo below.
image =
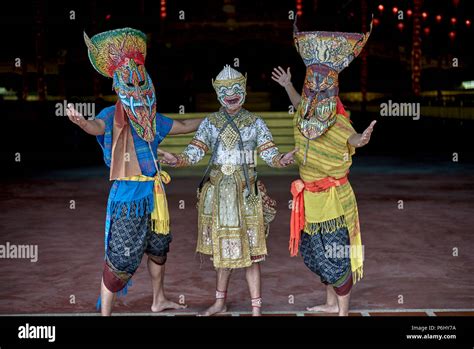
(409, 268)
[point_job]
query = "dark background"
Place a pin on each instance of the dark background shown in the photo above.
(183, 56)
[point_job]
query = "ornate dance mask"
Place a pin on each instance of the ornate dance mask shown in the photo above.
(230, 86)
(121, 54)
(325, 55)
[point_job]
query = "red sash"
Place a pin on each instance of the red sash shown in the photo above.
(297, 211)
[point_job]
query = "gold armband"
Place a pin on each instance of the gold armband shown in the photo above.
(199, 144)
(266, 146)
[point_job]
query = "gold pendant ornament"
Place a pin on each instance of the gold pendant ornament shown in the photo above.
(229, 137)
(228, 169)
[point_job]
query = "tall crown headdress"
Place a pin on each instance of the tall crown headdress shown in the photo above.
(109, 50)
(335, 50)
(325, 55)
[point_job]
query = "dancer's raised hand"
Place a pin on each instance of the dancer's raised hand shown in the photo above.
(75, 116)
(95, 127)
(283, 78)
(359, 140)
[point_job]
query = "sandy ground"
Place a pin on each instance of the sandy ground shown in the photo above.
(409, 253)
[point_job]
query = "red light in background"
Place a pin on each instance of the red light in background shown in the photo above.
(424, 15)
(299, 7)
(453, 20)
(380, 7)
(400, 26)
(468, 22)
(427, 30)
(107, 17)
(438, 18)
(452, 35)
(376, 21)
(395, 9)
(409, 12)
(163, 9)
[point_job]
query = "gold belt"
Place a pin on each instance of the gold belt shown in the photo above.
(219, 170)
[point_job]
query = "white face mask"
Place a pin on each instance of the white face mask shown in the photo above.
(231, 97)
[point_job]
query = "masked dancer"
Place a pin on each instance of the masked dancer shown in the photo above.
(129, 133)
(234, 210)
(324, 218)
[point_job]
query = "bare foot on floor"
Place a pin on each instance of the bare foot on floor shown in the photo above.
(256, 311)
(165, 305)
(216, 308)
(325, 308)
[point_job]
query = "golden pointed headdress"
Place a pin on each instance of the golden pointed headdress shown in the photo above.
(229, 76)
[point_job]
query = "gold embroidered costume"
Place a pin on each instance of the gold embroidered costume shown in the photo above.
(232, 226)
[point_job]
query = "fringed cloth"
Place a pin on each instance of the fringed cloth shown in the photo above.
(335, 211)
(297, 222)
(160, 218)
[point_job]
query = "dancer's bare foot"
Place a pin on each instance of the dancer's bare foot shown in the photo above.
(217, 308)
(324, 308)
(166, 304)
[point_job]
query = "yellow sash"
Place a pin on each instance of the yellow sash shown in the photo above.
(160, 217)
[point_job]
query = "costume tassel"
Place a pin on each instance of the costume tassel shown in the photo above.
(122, 292)
(98, 304)
(160, 221)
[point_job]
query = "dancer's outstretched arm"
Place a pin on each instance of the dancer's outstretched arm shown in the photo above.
(359, 140)
(284, 79)
(94, 127)
(193, 152)
(268, 150)
(185, 126)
